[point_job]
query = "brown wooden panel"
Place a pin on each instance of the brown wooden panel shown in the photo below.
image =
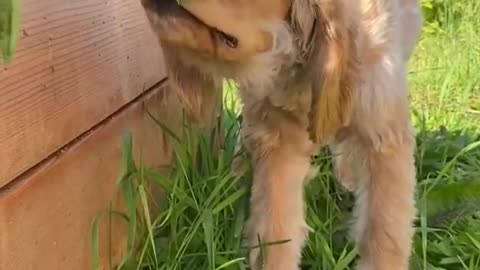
(46, 215)
(77, 62)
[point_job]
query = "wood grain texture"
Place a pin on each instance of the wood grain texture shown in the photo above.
(46, 217)
(77, 62)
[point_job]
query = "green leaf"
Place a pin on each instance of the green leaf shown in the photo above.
(127, 182)
(232, 262)
(9, 28)
(146, 212)
(452, 200)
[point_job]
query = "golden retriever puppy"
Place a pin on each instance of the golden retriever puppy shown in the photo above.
(312, 74)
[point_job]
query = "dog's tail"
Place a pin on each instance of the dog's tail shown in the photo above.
(411, 19)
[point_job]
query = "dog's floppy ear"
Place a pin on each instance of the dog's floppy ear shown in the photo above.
(199, 93)
(332, 56)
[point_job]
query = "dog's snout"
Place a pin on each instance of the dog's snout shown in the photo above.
(173, 9)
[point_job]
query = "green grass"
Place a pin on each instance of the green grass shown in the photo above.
(205, 206)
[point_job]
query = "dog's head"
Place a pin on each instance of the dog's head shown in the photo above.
(221, 29)
(263, 44)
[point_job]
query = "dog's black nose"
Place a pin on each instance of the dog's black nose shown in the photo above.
(159, 4)
(162, 7)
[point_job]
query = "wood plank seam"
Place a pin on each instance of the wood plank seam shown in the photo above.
(19, 180)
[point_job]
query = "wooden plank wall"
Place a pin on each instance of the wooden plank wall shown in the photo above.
(78, 62)
(46, 216)
(74, 88)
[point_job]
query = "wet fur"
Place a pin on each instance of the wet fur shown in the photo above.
(334, 75)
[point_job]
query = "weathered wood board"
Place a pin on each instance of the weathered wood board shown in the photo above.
(77, 63)
(46, 216)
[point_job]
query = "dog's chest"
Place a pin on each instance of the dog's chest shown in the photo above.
(294, 100)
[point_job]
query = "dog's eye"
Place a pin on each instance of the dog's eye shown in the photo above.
(229, 40)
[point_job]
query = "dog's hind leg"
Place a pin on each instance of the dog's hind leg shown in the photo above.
(276, 229)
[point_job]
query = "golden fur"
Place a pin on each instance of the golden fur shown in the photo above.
(312, 73)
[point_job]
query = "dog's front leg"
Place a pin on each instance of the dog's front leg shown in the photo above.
(386, 209)
(384, 181)
(276, 229)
